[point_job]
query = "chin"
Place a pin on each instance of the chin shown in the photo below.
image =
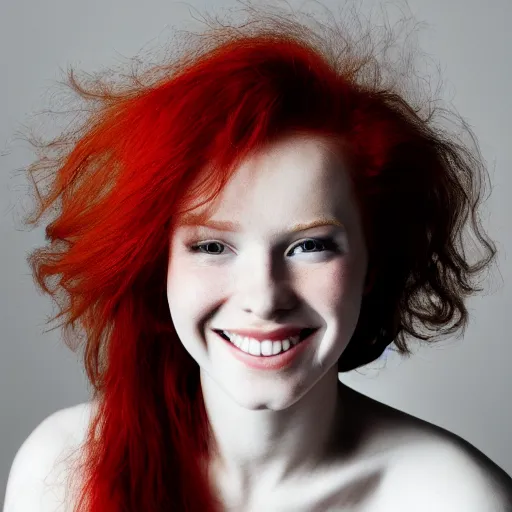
(275, 396)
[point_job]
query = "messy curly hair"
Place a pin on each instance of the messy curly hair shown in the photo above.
(123, 171)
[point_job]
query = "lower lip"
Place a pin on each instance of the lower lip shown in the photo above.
(277, 362)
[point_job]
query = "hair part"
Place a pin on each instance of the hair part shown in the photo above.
(146, 145)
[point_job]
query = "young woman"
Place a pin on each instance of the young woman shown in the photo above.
(235, 228)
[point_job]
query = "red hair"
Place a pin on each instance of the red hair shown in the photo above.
(124, 175)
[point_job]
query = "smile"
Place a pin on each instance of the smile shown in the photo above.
(265, 348)
(286, 358)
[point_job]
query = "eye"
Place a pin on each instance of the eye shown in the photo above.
(325, 244)
(328, 244)
(203, 245)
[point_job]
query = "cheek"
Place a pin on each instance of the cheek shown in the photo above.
(331, 288)
(191, 290)
(336, 294)
(189, 303)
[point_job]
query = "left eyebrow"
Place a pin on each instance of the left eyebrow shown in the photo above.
(219, 225)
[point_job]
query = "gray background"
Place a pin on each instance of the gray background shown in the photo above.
(462, 385)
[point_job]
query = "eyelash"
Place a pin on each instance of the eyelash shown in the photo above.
(328, 243)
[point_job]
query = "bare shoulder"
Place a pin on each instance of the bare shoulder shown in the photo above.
(38, 474)
(427, 467)
(442, 471)
(74, 421)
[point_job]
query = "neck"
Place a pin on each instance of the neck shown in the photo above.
(258, 450)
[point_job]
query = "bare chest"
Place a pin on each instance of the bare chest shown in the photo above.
(356, 489)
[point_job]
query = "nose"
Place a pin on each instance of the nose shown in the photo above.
(265, 289)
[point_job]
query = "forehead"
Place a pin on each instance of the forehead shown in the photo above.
(297, 176)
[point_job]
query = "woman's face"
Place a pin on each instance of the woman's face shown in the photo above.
(264, 274)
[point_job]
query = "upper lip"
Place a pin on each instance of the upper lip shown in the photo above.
(276, 334)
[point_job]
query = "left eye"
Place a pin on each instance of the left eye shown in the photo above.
(327, 243)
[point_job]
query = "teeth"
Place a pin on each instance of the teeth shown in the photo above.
(261, 348)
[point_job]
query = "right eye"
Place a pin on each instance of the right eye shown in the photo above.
(198, 247)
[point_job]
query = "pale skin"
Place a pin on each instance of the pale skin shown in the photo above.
(272, 427)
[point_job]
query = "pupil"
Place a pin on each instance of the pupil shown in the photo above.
(212, 244)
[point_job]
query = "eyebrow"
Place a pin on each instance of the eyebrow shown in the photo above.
(200, 220)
